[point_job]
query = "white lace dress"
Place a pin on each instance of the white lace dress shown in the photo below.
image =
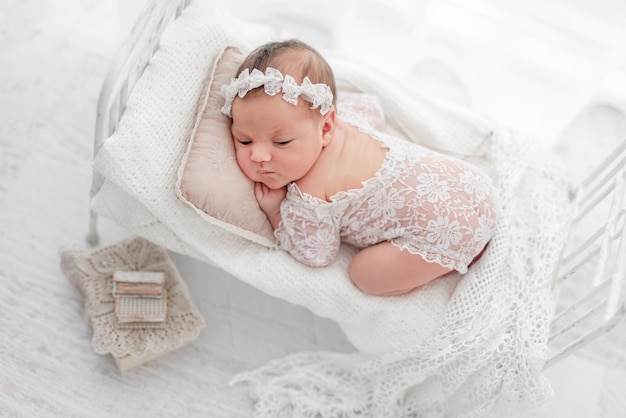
(428, 203)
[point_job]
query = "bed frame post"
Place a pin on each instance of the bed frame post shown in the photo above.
(92, 235)
(594, 261)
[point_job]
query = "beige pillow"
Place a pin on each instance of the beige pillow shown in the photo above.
(209, 178)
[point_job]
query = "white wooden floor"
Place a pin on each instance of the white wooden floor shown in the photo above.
(54, 55)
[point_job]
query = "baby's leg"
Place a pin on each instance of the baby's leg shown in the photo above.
(385, 270)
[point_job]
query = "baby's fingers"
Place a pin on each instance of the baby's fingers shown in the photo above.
(259, 191)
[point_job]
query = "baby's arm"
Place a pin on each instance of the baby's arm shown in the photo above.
(308, 232)
(269, 201)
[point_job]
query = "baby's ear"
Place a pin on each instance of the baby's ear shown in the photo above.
(328, 126)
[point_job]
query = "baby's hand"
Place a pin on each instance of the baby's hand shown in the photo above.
(269, 201)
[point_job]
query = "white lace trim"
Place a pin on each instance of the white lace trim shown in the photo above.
(273, 82)
(438, 207)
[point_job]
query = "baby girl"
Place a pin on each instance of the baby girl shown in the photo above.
(415, 214)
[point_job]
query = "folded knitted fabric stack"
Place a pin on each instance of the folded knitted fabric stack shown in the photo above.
(135, 300)
(140, 299)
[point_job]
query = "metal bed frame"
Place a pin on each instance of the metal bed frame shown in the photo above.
(131, 60)
(593, 262)
(591, 271)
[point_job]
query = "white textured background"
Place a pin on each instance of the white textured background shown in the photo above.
(556, 69)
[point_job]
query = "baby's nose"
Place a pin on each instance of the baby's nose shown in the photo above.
(260, 154)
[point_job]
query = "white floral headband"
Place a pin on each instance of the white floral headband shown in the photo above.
(320, 95)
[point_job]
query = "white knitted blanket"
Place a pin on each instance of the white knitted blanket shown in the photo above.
(458, 347)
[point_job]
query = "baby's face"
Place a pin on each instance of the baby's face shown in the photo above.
(276, 143)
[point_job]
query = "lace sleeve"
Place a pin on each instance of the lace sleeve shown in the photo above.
(307, 231)
(361, 109)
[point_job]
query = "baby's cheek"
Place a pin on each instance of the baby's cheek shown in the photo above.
(239, 156)
(243, 162)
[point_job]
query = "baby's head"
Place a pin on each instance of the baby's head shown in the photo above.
(282, 105)
(294, 58)
(290, 67)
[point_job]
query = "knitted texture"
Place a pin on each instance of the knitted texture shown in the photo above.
(91, 271)
(464, 346)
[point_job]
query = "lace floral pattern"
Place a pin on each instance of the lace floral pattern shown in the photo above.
(319, 94)
(430, 204)
(92, 274)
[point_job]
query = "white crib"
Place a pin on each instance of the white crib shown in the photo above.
(590, 273)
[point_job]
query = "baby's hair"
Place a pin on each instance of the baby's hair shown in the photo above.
(292, 57)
